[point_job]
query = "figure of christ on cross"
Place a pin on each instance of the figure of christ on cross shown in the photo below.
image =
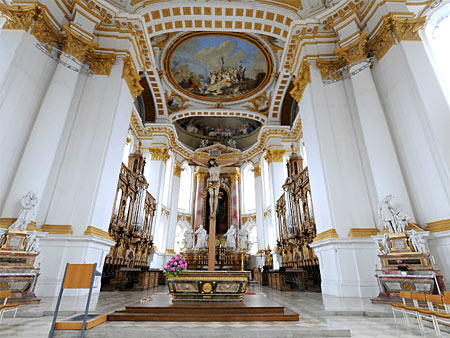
(213, 183)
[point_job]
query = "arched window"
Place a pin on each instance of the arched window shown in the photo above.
(437, 34)
(248, 189)
(184, 200)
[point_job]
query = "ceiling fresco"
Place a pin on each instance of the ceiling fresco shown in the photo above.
(191, 130)
(218, 67)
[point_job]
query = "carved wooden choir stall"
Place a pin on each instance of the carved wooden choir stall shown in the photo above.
(299, 265)
(126, 265)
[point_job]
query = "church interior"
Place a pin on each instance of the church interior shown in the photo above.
(213, 168)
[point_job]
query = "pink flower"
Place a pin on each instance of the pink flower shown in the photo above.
(175, 263)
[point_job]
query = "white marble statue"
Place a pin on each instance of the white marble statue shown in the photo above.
(243, 238)
(418, 241)
(188, 238)
(204, 143)
(382, 243)
(387, 213)
(230, 244)
(33, 242)
(27, 213)
(393, 220)
(202, 238)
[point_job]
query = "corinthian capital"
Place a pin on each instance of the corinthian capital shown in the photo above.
(354, 51)
(76, 45)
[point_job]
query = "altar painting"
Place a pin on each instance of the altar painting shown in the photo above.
(218, 66)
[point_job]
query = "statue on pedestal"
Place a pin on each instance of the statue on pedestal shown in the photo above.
(27, 213)
(188, 238)
(230, 244)
(202, 238)
(243, 238)
(394, 220)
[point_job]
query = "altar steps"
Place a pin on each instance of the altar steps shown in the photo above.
(253, 308)
(193, 316)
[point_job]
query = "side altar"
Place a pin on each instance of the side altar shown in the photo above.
(406, 260)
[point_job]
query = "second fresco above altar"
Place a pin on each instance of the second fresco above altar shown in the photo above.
(218, 67)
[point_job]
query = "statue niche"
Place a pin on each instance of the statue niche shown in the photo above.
(222, 215)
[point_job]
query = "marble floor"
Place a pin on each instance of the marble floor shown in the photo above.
(320, 316)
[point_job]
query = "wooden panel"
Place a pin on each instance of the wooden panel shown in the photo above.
(5, 293)
(78, 276)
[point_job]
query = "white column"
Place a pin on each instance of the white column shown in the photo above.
(259, 208)
(25, 75)
(383, 159)
(277, 176)
(175, 195)
(84, 192)
(338, 190)
(37, 159)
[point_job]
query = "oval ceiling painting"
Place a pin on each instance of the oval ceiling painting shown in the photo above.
(218, 67)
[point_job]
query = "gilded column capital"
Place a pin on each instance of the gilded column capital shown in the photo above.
(18, 17)
(274, 155)
(395, 28)
(257, 170)
(131, 77)
(354, 51)
(159, 154)
(43, 30)
(200, 175)
(328, 67)
(177, 170)
(235, 176)
(101, 64)
(76, 45)
(301, 81)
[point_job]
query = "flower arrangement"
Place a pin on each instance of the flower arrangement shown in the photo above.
(175, 265)
(402, 267)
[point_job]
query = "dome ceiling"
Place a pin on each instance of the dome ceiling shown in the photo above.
(192, 130)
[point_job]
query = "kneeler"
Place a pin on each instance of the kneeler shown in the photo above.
(76, 276)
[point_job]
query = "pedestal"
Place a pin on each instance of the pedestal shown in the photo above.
(208, 286)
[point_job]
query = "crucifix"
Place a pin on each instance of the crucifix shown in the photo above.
(213, 184)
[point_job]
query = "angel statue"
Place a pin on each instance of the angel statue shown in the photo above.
(27, 213)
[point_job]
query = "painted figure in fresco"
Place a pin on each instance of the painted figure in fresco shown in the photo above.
(27, 213)
(202, 238)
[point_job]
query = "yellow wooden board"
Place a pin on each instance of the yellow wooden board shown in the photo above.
(76, 322)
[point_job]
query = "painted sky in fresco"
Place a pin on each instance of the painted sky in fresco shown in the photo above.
(203, 55)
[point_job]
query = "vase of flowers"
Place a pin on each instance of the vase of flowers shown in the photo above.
(174, 266)
(403, 268)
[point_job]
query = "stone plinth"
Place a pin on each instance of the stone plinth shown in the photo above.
(208, 286)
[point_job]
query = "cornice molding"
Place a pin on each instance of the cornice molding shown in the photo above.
(354, 51)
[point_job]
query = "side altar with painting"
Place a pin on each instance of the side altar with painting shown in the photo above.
(406, 260)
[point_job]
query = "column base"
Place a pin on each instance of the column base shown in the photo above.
(439, 243)
(58, 250)
(347, 266)
(156, 260)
